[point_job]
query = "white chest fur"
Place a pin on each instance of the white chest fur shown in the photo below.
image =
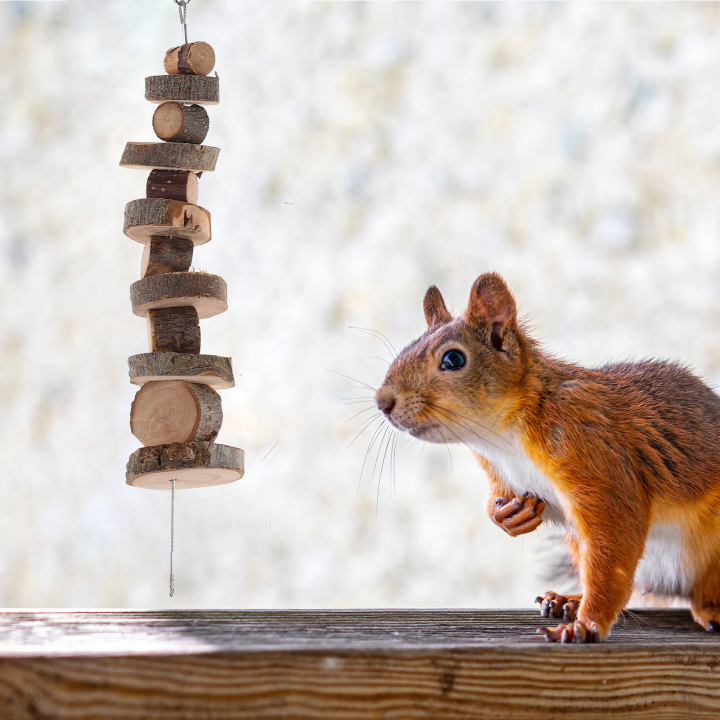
(518, 471)
(664, 568)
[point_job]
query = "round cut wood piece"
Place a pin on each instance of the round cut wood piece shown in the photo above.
(196, 58)
(170, 156)
(206, 293)
(157, 217)
(197, 89)
(191, 465)
(201, 369)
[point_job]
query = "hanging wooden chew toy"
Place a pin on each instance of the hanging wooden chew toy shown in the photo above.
(177, 412)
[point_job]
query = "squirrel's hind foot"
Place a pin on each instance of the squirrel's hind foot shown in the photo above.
(553, 605)
(575, 632)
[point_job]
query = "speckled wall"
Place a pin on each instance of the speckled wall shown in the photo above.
(368, 150)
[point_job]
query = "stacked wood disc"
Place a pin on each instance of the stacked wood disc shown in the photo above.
(177, 411)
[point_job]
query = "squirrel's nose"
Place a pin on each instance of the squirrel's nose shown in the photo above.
(385, 400)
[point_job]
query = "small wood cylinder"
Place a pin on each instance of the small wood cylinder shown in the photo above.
(174, 330)
(174, 122)
(191, 465)
(175, 411)
(207, 293)
(165, 255)
(179, 185)
(155, 217)
(170, 156)
(206, 369)
(196, 58)
(183, 88)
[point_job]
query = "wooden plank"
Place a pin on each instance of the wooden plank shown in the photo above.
(460, 664)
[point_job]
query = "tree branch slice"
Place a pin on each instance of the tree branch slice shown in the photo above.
(198, 89)
(208, 369)
(206, 293)
(170, 156)
(155, 217)
(189, 464)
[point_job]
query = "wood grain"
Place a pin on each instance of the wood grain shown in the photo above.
(209, 369)
(198, 89)
(342, 665)
(170, 156)
(206, 293)
(174, 330)
(196, 58)
(166, 254)
(173, 185)
(174, 122)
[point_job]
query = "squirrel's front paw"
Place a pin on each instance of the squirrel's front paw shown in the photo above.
(574, 632)
(517, 516)
(559, 606)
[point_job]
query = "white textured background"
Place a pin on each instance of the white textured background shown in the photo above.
(368, 150)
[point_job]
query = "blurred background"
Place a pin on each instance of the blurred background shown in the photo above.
(369, 149)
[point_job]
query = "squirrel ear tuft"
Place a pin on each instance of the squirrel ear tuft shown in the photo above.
(434, 307)
(491, 303)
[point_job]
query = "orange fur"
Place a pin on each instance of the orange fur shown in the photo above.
(628, 455)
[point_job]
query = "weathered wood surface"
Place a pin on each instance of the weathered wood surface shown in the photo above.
(212, 370)
(343, 665)
(170, 156)
(198, 89)
(166, 254)
(196, 58)
(179, 185)
(195, 464)
(147, 218)
(174, 122)
(206, 293)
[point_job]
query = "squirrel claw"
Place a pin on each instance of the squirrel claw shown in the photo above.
(517, 516)
(576, 632)
(553, 605)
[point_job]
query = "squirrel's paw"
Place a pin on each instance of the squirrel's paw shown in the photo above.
(574, 632)
(553, 605)
(708, 617)
(517, 516)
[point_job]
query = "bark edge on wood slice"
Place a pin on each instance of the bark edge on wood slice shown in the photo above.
(210, 370)
(197, 89)
(174, 329)
(175, 411)
(155, 217)
(170, 156)
(191, 465)
(179, 185)
(166, 254)
(206, 293)
(196, 58)
(173, 122)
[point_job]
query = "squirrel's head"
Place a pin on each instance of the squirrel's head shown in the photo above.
(464, 374)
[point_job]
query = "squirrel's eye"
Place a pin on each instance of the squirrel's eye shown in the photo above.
(452, 360)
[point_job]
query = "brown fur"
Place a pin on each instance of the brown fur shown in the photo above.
(625, 447)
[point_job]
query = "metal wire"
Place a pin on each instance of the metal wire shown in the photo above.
(182, 9)
(172, 539)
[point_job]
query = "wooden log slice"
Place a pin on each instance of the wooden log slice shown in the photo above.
(149, 218)
(179, 185)
(174, 122)
(175, 329)
(206, 369)
(172, 411)
(166, 254)
(170, 156)
(191, 465)
(197, 89)
(206, 293)
(196, 58)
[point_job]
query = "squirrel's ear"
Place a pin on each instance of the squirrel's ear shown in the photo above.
(491, 303)
(434, 307)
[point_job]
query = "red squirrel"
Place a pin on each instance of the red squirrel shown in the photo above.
(626, 456)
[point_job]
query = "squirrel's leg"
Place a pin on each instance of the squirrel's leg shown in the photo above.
(609, 554)
(705, 598)
(516, 515)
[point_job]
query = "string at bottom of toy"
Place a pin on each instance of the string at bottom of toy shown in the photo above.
(172, 538)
